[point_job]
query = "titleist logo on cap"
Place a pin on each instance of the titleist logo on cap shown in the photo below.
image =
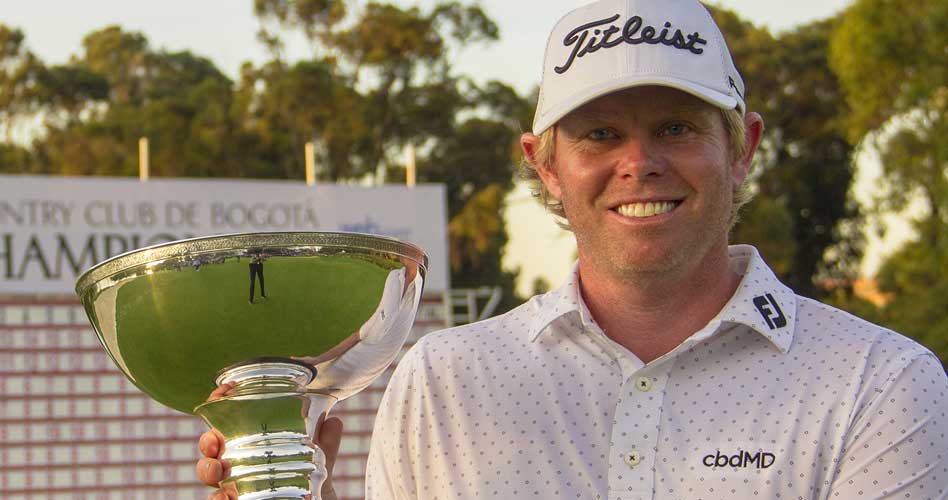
(590, 37)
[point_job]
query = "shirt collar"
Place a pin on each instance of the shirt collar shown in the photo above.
(760, 302)
(562, 301)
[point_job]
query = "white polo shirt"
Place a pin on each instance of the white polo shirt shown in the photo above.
(778, 396)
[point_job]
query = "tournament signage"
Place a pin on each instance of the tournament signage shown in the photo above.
(53, 228)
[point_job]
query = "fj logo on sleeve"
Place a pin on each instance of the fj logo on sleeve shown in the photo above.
(771, 312)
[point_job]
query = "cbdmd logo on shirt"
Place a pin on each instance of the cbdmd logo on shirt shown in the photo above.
(771, 312)
(744, 459)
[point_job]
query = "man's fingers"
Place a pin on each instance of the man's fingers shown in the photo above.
(227, 492)
(220, 391)
(220, 495)
(210, 471)
(211, 444)
(330, 435)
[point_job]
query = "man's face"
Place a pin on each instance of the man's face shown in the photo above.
(646, 179)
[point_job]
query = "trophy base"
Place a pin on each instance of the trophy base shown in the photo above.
(268, 420)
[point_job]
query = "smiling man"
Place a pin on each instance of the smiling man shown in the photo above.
(670, 364)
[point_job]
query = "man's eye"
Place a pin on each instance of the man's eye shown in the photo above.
(676, 129)
(601, 134)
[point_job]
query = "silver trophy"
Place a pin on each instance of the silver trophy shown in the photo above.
(259, 334)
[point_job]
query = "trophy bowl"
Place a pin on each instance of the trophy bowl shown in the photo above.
(259, 334)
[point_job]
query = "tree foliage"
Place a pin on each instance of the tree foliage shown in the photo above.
(802, 218)
(390, 72)
(915, 279)
(19, 80)
(380, 78)
(891, 60)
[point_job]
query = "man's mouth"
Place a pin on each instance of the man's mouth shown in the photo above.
(648, 209)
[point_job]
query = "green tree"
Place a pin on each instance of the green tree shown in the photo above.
(802, 218)
(15, 159)
(119, 90)
(891, 61)
(398, 60)
(20, 73)
(283, 108)
(122, 58)
(890, 58)
(315, 17)
(380, 79)
(70, 89)
(186, 116)
(474, 162)
(405, 52)
(915, 279)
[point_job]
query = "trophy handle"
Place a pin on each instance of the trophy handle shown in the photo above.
(268, 421)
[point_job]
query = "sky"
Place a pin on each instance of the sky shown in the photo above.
(224, 31)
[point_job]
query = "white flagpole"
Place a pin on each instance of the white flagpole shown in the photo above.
(143, 172)
(410, 171)
(310, 152)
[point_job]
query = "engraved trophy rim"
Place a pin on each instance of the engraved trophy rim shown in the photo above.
(243, 241)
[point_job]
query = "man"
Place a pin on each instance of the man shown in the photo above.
(669, 365)
(256, 270)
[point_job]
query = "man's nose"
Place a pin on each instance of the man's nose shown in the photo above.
(638, 160)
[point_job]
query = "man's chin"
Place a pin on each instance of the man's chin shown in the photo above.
(638, 263)
(647, 269)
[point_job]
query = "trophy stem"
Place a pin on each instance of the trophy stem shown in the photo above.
(268, 420)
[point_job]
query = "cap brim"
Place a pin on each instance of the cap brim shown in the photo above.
(553, 114)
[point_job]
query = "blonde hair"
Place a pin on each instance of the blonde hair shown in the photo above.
(734, 127)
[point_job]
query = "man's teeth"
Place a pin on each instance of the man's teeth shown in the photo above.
(646, 209)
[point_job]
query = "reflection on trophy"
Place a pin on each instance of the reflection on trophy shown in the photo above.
(176, 320)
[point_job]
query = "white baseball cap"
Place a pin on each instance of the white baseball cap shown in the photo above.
(612, 45)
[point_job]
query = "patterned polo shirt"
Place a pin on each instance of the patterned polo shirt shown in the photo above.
(778, 396)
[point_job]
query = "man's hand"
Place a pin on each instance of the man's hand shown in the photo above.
(211, 470)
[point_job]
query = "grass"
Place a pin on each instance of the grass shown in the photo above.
(177, 329)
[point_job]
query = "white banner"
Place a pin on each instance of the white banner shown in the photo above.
(54, 228)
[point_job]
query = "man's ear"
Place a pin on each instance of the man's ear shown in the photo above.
(753, 132)
(530, 143)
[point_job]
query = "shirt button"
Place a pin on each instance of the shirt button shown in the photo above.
(643, 384)
(632, 459)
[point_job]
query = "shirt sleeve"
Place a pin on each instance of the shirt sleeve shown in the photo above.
(898, 444)
(390, 471)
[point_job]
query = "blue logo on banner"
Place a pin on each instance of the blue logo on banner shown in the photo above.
(371, 227)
